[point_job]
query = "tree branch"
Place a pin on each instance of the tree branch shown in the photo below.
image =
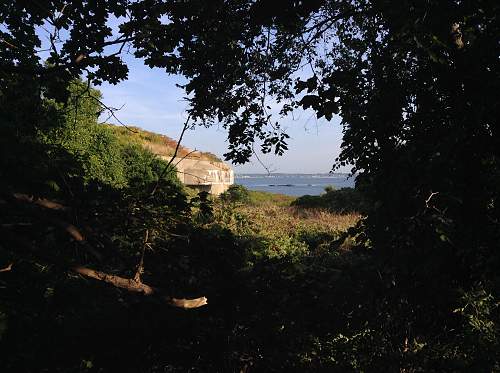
(10, 45)
(138, 287)
(43, 217)
(131, 285)
(111, 112)
(42, 202)
(164, 171)
(140, 266)
(268, 170)
(7, 269)
(117, 281)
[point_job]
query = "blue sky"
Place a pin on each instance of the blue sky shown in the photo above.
(153, 102)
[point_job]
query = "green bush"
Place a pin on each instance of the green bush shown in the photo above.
(98, 152)
(236, 194)
(344, 200)
(143, 168)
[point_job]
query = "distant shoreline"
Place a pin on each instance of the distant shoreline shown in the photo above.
(298, 174)
(294, 184)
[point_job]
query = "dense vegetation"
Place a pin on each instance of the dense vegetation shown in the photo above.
(342, 200)
(99, 244)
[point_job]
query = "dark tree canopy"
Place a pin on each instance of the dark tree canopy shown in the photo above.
(358, 59)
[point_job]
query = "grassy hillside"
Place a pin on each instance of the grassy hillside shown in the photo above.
(158, 144)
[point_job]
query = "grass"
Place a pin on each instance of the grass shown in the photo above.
(259, 198)
(275, 220)
(279, 228)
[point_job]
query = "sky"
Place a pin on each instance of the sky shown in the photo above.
(151, 100)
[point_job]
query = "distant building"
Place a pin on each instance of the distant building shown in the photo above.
(210, 176)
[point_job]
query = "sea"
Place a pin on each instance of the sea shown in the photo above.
(294, 184)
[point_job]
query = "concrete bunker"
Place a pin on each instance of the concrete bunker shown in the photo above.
(209, 176)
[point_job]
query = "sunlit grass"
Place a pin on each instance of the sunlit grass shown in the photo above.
(274, 220)
(270, 199)
(270, 215)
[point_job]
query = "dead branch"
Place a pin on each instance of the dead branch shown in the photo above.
(138, 287)
(7, 269)
(10, 225)
(22, 244)
(80, 58)
(188, 303)
(184, 157)
(73, 231)
(140, 266)
(10, 45)
(429, 203)
(111, 111)
(428, 200)
(42, 216)
(184, 128)
(40, 202)
(456, 36)
(167, 167)
(121, 39)
(117, 281)
(268, 170)
(193, 175)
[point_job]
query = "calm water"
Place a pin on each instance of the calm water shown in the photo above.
(294, 184)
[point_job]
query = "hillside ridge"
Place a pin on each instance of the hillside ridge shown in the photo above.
(159, 144)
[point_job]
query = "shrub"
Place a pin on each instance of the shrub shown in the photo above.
(90, 152)
(236, 194)
(344, 200)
